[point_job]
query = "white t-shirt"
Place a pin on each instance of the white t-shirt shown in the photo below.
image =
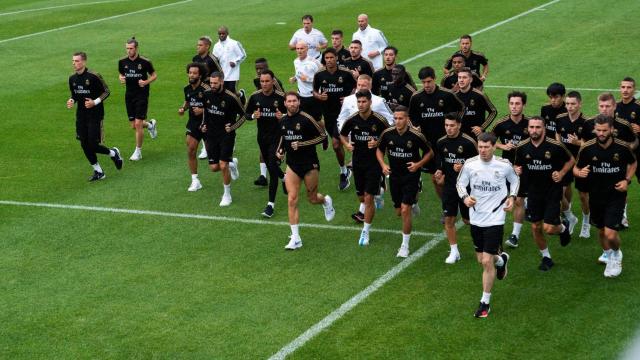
(488, 182)
(307, 67)
(226, 52)
(350, 106)
(372, 40)
(314, 39)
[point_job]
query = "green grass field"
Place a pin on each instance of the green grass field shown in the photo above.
(83, 283)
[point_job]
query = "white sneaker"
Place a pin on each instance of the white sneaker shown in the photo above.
(137, 155)
(604, 258)
(614, 267)
(329, 211)
(153, 128)
(379, 200)
(233, 169)
(403, 252)
(195, 185)
(453, 257)
(573, 221)
(364, 238)
(585, 230)
(294, 243)
(226, 200)
(415, 210)
(203, 153)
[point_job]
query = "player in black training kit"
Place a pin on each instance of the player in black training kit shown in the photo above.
(544, 161)
(399, 91)
(194, 104)
(629, 109)
(137, 73)
(223, 115)
(205, 57)
(510, 130)
(408, 151)
(341, 52)
(555, 107)
(299, 135)
(452, 150)
(608, 165)
(382, 77)
(450, 81)
(360, 134)
(330, 87)
(472, 59)
(356, 63)
(479, 112)
(88, 91)
(266, 106)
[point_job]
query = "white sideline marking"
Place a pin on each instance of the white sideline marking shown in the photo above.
(92, 21)
(543, 88)
(444, 46)
(359, 297)
(59, 7)
(203, 217)
(389, 275)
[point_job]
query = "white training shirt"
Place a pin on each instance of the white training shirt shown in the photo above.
(488, 182)
(350, 106)
(314, 39)
(308, 67)
(227, 51)
(372, 40)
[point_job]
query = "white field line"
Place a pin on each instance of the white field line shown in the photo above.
(202, 217)
(388, 276)
(92, 21)
(359, 297)
(59, 7)
(543, 88)
(500, 23)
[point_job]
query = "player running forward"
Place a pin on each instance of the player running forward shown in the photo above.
(360, 134)
(608, 164)
(452, 150)
(266, 107)
(300, 134)
(555, 107)
(408, 151)
(487, 176)
(479, 111)
(544, 162)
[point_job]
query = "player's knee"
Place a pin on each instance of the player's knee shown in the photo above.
(405, 210)
(487, 262)
(223, 165)
(549, 229)
(292, 199)
(214, 167)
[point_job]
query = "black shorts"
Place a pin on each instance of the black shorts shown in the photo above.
(487, 239)
(302, 169)
(606, 212)
(331, 124)
(430, 167)
(451, 202)
(367, 179)
(220, 147)
(231, 85)
(522, 189)
(544, 205)
(88, 129)
(582, 184)
(137, 106)
(567, 179)
(193, 129)
(404, 189)
(310, 106)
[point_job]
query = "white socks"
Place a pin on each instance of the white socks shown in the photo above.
(343, 169)
(516, 229)
(361, 208)
(227, 190)
(194, 176)
(366, 227)
(294, 231)
(263, 169)
(405, 239)
(545, 253)
(97, 167)
(486, 297)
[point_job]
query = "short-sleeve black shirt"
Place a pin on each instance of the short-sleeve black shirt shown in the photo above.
(210, 61)
(194, 97)
(403, 148)
(621, 130)
(133, 70)
(300, 127)
(478, 110)
(268, 129)
(337, 85)
(450, 151)
(362, 131)
(539, 162)
(361, 64)
(451, 80)
(221, 108)
(427, 111)
(473, 62)
(549, 114)
(565, 127)
(508, 131)
(398, 94)
(607, 167)
(89, 84)
(630, 111)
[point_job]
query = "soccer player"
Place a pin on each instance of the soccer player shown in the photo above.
(382, 77)
(266, 106)
(450, 81)
(88, 91)
(194, 104)
(372, 40)
(452, 150)
(360, 134)
(137, 72)
(427, 108)
(479, 112)
(399, 91)
(570, 127)
(555, 107)
(313, 37)
(510, 131)
(300, 134)
(337, 37)
(262, 65)
(305, 69)
(544, 161)
(608, 164)
(223, 115)
(330, 87)
(629, 109)
(231, 54)
(487, 176)
(472, 59)
(203, 49)
(356, 63)
(408, 151)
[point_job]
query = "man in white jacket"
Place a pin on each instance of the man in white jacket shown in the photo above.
(373, 41)
(230, 53)
(350, 104)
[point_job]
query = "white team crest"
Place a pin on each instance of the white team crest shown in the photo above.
(496, 175)
(298, 126)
